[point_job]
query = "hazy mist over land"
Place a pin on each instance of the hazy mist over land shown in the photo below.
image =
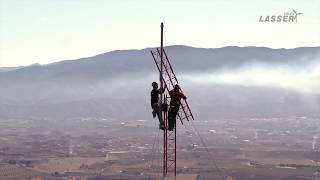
(220, 83)
(301, 78)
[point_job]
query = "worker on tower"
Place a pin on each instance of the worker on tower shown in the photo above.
(155, 104)
(176, 95)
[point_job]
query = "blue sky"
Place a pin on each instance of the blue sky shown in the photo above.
(45, 31)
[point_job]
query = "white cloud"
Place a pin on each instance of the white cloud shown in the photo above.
(304, 79)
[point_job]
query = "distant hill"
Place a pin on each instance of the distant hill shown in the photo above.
(3, 69)
(117, 84)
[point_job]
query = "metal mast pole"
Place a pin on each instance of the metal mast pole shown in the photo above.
(161, 101)
(161, 71)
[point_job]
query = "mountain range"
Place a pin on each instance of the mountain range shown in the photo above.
(227, 82)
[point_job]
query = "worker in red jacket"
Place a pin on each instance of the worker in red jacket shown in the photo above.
(176, 95)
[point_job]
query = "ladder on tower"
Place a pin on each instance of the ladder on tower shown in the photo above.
(169, 146)
(170, 79)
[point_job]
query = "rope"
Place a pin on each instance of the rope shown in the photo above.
(159, 151)
(153, 152)
(213, 160)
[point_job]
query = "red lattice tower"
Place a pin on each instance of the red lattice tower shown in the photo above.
(168, 79)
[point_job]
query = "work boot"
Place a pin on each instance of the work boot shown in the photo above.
(170, 128)
(154, 113)
(161, 126)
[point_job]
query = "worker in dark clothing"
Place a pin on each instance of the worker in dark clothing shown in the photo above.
(155, 104)
(176, 95)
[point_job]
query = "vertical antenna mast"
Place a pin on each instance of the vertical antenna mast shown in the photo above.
(161, 72)
(161, 99)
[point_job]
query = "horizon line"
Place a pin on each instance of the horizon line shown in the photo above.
(140, 49)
